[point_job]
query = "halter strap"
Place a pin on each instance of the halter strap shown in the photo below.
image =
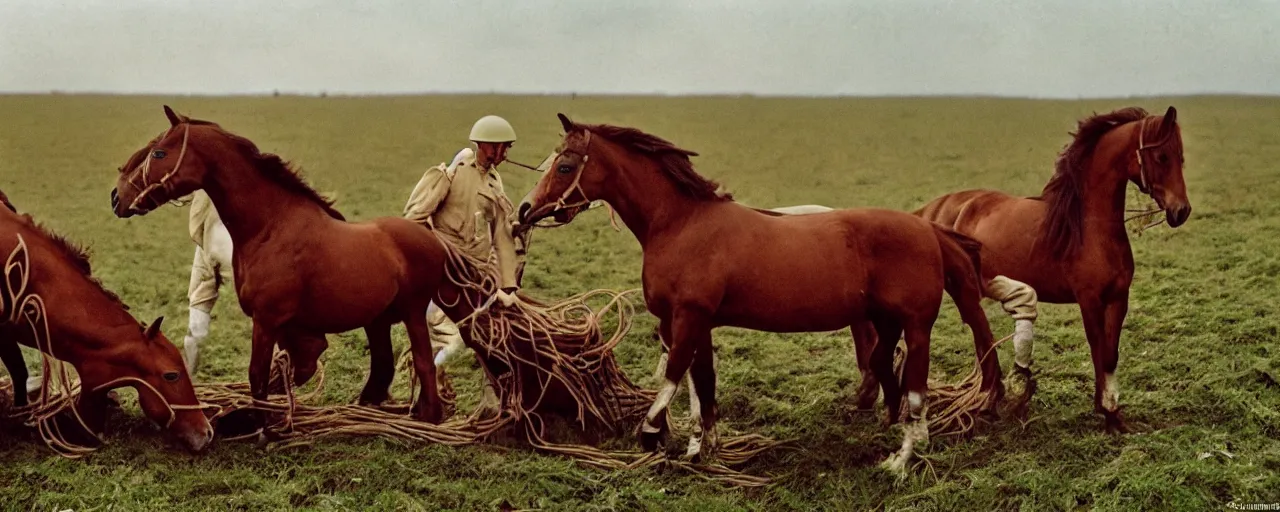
(145, 167)
(577, 179)
(1143, 186)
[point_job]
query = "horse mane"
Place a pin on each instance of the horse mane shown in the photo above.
(673, 160)
(5, 199)
(1064, 192)
(79, 258)
(276, 169)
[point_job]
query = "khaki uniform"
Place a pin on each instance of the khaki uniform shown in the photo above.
(469, 207)
(212, 254)
(1020, 302)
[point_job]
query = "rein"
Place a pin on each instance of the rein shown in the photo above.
(145, 168)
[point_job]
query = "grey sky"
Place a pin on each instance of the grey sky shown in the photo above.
(1038, 48)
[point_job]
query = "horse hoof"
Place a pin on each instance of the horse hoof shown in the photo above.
(653, 441)
(432, 415)
(867, 398)
(372, 399)
(1115, 423)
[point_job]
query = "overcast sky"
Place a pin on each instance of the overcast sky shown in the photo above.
(1037, 48)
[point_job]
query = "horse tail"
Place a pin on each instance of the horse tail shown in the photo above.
(962, 266)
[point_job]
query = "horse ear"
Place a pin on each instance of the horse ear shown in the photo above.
(566, 123)
(174, 118)
(1170, 117)
(153, 329)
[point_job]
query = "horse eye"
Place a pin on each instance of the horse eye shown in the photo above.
(171, 376)
(565, 169)
(158, 154)
(1160, 159)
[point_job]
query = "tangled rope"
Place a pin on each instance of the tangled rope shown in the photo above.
(1143, 215)
(554, 355)
(952, 407)
(558, 361)
(59, 392)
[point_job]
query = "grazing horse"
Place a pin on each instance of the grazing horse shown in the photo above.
(92, 330)
(300, 270)
(1070, 243)
(710, 262)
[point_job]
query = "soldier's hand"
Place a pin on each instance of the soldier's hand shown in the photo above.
(507, 298)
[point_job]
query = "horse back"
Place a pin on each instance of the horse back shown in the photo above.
(948, 209)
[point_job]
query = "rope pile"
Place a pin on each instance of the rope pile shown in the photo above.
(555, 360)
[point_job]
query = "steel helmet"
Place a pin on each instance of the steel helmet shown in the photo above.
(492, 129)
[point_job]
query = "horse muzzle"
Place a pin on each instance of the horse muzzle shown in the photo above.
(1178, 215)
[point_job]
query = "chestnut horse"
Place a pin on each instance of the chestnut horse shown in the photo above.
(91, 329)
(1070, 243)
(710, 262)
(301, 271)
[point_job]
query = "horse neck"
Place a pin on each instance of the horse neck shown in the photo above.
(646, 201)
(1106, 179)
(249, 203)
(79, 313)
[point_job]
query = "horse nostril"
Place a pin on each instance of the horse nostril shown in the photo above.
(115, 198)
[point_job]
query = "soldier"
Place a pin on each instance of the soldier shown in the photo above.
(208, 272)
(465, 203)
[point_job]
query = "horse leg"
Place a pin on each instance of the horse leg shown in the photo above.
(11, 355)
(888, 332)
(915, 376)
(304, 355)
(1105, 396)
(382, 369)
(864, 342)
(86, 423)
(702, 404)
(690, 333)
(1117, 308)
(429, 407)
(264, 341)
(662, 333)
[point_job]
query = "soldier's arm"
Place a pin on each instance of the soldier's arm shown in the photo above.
(427, 195)
(503, 241)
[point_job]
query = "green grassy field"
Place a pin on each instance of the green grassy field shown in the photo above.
(1197, 355)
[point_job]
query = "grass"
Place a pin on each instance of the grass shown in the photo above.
(1197, 355)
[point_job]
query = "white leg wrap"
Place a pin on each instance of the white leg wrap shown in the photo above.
(1023, 334)
(659, 406)
(33, 383)
(1110, 392)
(197, 331)
(914, 432)
(661, 368)
(695, 418)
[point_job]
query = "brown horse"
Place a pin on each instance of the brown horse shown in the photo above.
(1070, 243)
(709, 262)
(300, 269)
(91, 329)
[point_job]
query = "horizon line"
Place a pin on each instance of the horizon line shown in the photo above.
(325, 94)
